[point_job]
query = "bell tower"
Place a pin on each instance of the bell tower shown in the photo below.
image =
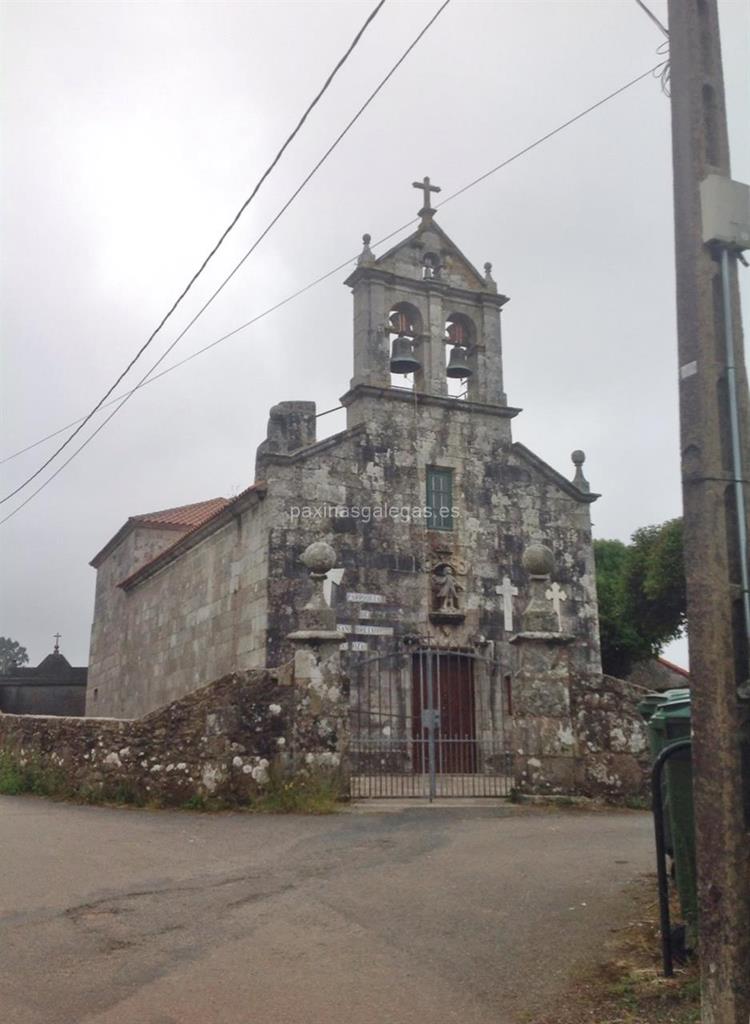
(424, 312)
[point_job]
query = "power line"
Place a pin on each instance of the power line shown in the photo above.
(649, 13)
(549, 135)
(664, 70)
(226, 280)
(343, 265)
(373, 14)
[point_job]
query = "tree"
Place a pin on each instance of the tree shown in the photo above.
(641, 591)
(656, 583)
(12, 654)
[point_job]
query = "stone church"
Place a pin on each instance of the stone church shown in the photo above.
(447, 532)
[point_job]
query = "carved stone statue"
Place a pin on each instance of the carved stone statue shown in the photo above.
(446, 589)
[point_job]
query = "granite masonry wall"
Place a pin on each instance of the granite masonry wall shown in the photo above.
(219, 741)
(344, 490)
(613, 752)
(109, 631)
(573, 734)
(200, 616)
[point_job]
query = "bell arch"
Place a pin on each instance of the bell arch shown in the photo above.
(404, 326)
(404, 318)
(461, 366)
(431, 265)
(460, 329)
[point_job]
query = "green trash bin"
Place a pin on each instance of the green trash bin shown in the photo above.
(649, 704)
(657, 739)
(670, 722)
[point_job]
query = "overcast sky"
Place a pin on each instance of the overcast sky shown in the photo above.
(132, 132)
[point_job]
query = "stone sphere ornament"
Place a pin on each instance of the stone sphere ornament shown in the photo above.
(538, 559)
(319, 557)
(578, 457)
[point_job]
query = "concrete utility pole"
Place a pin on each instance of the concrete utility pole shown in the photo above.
(717, 632)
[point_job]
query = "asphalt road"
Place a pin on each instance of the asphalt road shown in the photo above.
(470, 914)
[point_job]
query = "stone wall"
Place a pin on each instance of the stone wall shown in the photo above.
(503, 495)
(219, 741)
(659, 674)
(613, 751)
(541, 734)
(199, 617)
(109, 630)
(573, 733)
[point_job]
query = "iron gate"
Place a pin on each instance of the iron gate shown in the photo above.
(428, 722)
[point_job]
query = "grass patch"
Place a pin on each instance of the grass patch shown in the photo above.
(29, 775)
(637, 803)
(628, 987)
(311, 791)
(316, 791)
(120, 793)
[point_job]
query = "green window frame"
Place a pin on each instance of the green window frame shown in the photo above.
(439, 498)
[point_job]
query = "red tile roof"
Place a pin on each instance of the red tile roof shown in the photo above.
(674, 668)
(220, 505)
(183, 518)
(188, 516)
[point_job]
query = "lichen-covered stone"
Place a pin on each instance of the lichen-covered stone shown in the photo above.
(185, 749)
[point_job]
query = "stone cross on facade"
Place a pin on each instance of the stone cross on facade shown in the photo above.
(556, 595)
(507, 591)
(426, 189)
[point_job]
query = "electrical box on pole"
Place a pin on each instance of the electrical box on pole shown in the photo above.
(725, 210)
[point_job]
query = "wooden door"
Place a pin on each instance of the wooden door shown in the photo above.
(452, 697)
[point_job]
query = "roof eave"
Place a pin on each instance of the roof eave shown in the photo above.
(220, 518)
(585, 497)
(130, 524)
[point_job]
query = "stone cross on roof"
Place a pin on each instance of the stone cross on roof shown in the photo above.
(57, 637)
(424, 184)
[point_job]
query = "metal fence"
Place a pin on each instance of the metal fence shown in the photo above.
(428, 722)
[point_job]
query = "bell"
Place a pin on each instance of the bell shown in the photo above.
(403, 359)
(457, 364)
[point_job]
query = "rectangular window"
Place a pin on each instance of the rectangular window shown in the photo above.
(439, 498)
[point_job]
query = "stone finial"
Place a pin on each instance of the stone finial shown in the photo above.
(320, 558)
(488, 273)
(538, 560)
(579, 480)
(539, 615)
(366, 256)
